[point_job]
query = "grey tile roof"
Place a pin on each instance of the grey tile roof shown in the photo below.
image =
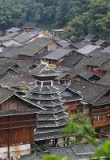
(71, 60)
(73, 97)
(99, 42)
(11, 35)
(30, 157)
(98, 59)
(63, 43)
(63, 69)
(62, 74)
(89, 91)
(41, 55)
(58, 53)
(107, 49)
(11, 80)
(81, 151)
(89, 37)
(35, 46)
(24, 65)
(44, 70)
(43, 96)
(81, 65)
(45, 90)
(85, 74)
(5, 93)
(75, 152)
(24, 37)
(81, 44)
(104, 100)
(105, 66)
(53, 117)
(11, 52)
(48, 136)
(105, 80)
(5, 66)
(96, 51)
(13, 29)
(17, 112)
(5, 38)
(87, 49)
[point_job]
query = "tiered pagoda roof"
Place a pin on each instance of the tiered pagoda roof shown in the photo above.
(53, 119)
(44, 70)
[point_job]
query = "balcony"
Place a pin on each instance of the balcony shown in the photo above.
(99, 123)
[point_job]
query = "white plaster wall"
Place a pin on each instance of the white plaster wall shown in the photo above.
(15, 151)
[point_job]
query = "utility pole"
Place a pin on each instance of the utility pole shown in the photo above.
(9, 137)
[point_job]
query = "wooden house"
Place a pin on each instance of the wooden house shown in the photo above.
(84, 75)
(71, 60)
(95, 104)
(10, 52)
(90, 38)
(57, 56)
(94, 63)
(101, 43)
(30, 51)
(71, 100)
(18, 119)
(24, 37)
(64, 79)
(57, 32)
(29, 26)
(8, 41)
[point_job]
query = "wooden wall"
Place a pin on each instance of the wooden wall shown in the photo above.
(14, 103)
(17, 129)
(104, 113)
(26, 58)
(71, 108)
(52, 46)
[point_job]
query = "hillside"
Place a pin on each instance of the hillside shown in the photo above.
(79, 17)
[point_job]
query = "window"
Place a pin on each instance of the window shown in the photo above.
(99, 118)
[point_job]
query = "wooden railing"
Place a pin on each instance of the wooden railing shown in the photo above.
(100, 123)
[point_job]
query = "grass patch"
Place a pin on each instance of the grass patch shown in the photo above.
(3, 59)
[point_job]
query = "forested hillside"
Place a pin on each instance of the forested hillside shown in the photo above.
(79, 17)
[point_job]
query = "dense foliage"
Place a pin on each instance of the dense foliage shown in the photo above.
(81, 128)
(95, 19)
(79, 17)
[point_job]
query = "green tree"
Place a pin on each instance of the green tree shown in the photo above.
(103, 151)
(81, 128)
(53, 157)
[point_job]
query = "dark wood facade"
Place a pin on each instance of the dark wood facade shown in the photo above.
(101, 119)
(26, 58)
(17, 129)
(17, 123)
(96, 70)
(71, 107)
